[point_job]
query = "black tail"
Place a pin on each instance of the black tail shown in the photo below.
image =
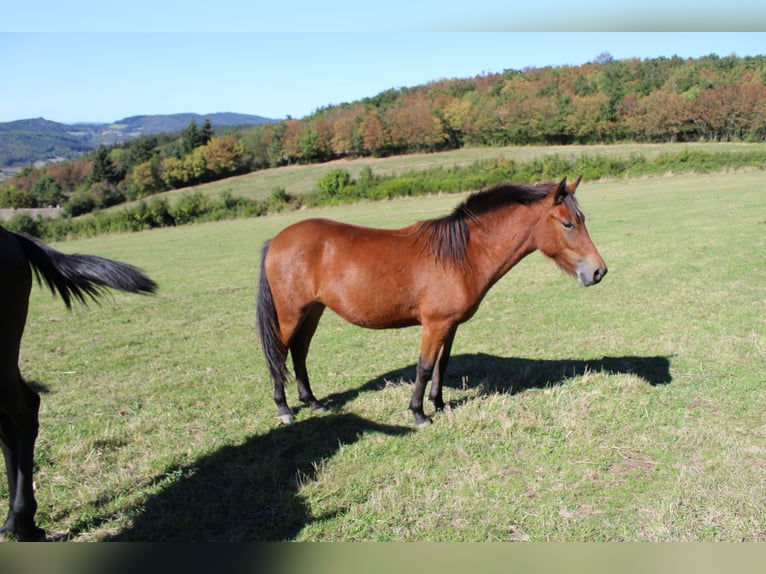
(268, 326)
(81, 276)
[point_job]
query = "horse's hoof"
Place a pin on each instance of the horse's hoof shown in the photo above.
(33, 535)
(422, 422)
(37, 535)
(287, 419)
(319, 408)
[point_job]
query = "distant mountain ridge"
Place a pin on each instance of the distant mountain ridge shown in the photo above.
(25, 142)
(142, 125)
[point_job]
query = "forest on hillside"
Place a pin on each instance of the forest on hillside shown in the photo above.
(605, 101)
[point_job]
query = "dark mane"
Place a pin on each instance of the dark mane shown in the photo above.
(447, 237)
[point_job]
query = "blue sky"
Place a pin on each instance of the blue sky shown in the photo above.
(388, 16)
(102, 76)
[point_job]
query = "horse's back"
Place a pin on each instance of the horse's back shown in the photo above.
(366, 275)
(328, 230)
(327, 242)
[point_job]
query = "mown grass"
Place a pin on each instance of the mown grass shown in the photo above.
(632, 410)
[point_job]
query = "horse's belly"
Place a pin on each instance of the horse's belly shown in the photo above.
(374, 310)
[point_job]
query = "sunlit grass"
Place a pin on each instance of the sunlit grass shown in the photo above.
(632, 410)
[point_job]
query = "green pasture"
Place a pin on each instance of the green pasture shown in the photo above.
(631, 410)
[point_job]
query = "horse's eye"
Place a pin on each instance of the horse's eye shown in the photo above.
(567, 224)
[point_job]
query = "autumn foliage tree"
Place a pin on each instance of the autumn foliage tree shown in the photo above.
(603, 101)
(374, 134)
(413, 126)
(345, 139)
(219, 157)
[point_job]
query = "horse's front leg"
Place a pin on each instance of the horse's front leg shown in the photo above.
(432, 341)
(435, 395)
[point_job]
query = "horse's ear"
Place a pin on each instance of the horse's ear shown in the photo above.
(561, 191)
(573, 186)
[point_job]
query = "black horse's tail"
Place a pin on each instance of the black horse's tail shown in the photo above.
(267, 324)
(81, 276)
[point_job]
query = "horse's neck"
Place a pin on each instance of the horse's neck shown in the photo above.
(500, 239)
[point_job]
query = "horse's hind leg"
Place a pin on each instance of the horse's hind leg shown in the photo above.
(283, 410)
(18, 432)
(299, 348)
(19, 405)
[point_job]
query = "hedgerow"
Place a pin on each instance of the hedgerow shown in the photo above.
(338, 187)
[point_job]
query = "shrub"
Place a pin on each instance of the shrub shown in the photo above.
(23, 223)
(338, 186)
(80, 203)
(366, 181)
(159, 213)
(333, 182)
(191, 207)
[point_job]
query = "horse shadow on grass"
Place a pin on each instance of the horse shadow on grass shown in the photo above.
(248, 492)
(251, 492)
(492, 374)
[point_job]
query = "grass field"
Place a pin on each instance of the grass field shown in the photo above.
(632, 410)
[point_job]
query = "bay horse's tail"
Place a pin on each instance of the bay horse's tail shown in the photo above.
(81, 276)
(268, 326)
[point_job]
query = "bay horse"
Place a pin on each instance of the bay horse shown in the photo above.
(433, 273)
(79, 277)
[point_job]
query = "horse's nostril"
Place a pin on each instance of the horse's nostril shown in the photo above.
(598, 275)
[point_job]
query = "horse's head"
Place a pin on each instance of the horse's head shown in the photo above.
(562, 236)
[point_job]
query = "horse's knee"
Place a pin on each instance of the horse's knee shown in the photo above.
(16, 398)
(425, 369)
(19, 416)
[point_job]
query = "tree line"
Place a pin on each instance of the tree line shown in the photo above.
(339, 186)
(128, 171)
(604, 101)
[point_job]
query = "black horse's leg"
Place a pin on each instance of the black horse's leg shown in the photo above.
(299, 349)
(435, 395)
(7, 440)
(19, 405)
(18, 433)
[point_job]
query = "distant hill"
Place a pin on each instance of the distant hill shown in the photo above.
(25, 142)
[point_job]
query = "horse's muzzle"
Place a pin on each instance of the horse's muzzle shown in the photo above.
(590, 275)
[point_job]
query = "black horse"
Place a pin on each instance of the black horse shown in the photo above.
(72, 277)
